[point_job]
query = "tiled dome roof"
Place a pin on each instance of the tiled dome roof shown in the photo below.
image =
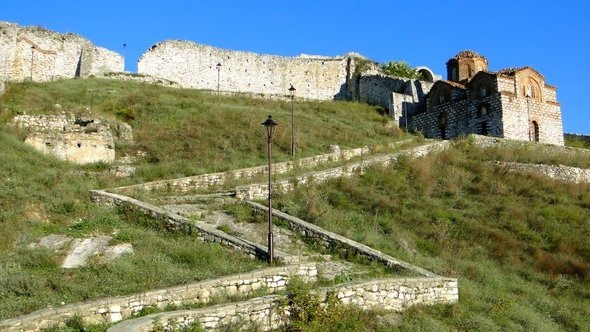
(469, 54)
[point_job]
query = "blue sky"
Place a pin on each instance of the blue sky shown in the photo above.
(550, 36)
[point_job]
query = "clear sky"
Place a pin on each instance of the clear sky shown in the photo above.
(550, 36)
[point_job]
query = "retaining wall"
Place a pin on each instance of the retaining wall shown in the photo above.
(337, 243)
(267, 313)
(123, 307)
(215, 179)
(260, 190)
(557, 172)
(176, 222)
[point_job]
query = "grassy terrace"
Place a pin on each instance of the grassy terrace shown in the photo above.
(517, 243)
(182, 133)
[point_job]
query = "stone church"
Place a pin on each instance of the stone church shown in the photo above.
(513, 103)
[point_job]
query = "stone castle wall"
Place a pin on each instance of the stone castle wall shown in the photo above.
(37, 54)
(192, 65)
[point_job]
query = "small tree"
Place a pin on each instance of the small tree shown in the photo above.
(400, 69)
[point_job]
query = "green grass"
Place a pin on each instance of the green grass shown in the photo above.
(577, 141)
(517, 243)
(183, 132)
(187, 132)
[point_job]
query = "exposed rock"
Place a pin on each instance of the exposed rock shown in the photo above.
(123, 171)
(113, 252)
(53, 242)
(84, 248)
(79, 250)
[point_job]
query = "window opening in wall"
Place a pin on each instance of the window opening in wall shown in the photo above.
(469, 71)
(535, 128)
(47, 143)
(442, 125)
(483, 91)
(454, 74)
(483, 110)
(79, 144)
(484, 128)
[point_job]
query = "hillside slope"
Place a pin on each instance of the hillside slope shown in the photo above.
(516, 242)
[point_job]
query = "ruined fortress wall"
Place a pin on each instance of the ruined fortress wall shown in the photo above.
(377, 89)
(193, 65)
(100, 60)
(34, 53)
(61, 136)
(7, 49)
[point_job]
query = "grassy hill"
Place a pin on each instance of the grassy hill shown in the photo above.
(517, 243)
(181, 133)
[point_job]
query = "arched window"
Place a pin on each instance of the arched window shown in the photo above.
(468, 71)
(454, 75)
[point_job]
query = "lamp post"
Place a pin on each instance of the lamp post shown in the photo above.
(292, 91)
(32, 60)
(124, 55)
(269, 127)
(218, 75)
(91, 98)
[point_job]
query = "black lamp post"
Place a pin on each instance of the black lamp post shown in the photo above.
(292, 91)
(270, 127)
(124, 55)
(32, 60)
(218, 75)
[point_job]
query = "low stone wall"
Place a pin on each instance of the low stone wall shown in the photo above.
(123, 307)
(260, 190)
(176, 222)
(337, 243)
(556, 172)
(207, 180)
(266, 313)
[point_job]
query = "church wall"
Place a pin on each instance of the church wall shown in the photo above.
(520, 112)
(463, 117)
